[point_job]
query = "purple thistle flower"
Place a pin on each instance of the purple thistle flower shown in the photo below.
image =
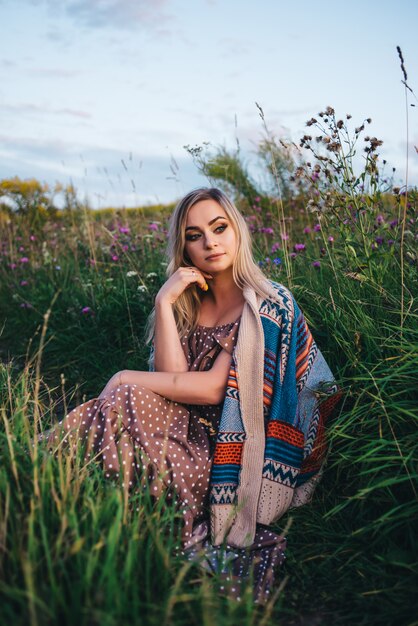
(316, 264)
(268, 230)
(307, 230)
(298, 247)
(317, 227)
(379, 240)
(393, 223)
(391, 242)
(12, 266)
(380, 219)
(87, 311)
(115, 257)
(124, 230)
(24, 259)
(331, 239)
(24, 283)
(32, 238)
(153, 226)
(21, 249)
(293, 255)
(275, 246)
(284, 236)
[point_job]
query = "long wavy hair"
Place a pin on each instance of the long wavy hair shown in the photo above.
(245, 270)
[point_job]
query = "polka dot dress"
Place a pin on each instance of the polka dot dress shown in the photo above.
(133, 429)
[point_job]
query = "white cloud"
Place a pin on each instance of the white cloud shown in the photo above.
(24, 108)
(118, 13)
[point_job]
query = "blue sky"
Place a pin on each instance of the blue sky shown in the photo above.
(85, 85)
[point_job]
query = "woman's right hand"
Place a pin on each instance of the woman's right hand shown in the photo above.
(178, 282)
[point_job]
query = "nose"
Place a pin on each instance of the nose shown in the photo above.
(209, 241)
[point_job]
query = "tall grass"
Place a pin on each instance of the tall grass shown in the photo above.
(73, 304)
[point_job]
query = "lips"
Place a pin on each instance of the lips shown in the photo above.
(214, 256)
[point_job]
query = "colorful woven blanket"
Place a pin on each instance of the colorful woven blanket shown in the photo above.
(271, 441)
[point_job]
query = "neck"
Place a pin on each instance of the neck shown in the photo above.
(223, 292)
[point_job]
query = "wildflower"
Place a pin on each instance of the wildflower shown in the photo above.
(257, 199)
(331, 239)
(391, 242)
(293, 255)
(21, 249)
(32, 238)
(142, 288)
(393, 223)
(153, 226)
(115, 257)
(275, 246)
(379, 240)
(26, 305)
(323, 251)
(268, 231)
(24, 259)
(87, 311)
(277, 261)
(125, 248)
(380, 219)
(12, 266)
(298, 247)
(267, 259)
(316, 264)
(92, 262)
(317, 227)
(284, 236)
(306, 230)
(131, 273)
(24, 283)
(124, 230)
(152, 275)
(58, 267)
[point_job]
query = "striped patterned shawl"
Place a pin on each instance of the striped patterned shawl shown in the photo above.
(270, 446)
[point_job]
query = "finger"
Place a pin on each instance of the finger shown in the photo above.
(197, 277)
(205, 274)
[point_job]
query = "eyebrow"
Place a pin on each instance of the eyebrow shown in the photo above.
(220, 217)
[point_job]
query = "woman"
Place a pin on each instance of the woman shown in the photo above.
(229, 415)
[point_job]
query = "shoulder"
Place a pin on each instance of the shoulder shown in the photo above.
(280, 294)
(280, 301)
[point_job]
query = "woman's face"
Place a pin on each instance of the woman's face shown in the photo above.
(209, 232)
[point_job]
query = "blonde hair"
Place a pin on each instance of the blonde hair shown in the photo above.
(245, 270)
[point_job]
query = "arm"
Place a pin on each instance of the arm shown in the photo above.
(168, 352)
(188, 387)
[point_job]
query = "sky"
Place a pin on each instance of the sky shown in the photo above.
(106, 93)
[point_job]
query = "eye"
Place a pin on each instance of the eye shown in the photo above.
(193, 237)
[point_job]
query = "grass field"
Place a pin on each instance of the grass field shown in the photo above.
(75, 289)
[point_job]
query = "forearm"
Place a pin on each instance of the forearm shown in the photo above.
(168, 351)
(186, 387)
